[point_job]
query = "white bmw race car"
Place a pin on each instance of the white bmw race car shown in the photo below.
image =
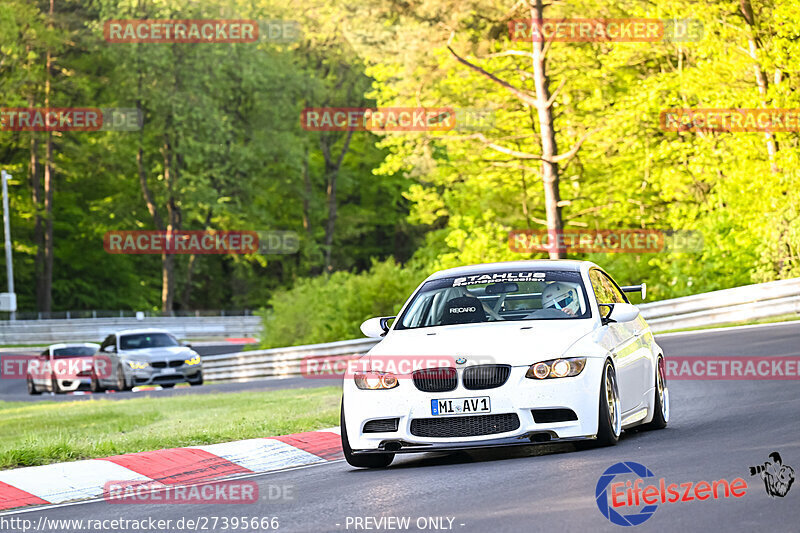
(500, 354)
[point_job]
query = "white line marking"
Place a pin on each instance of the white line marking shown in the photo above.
(95, 500)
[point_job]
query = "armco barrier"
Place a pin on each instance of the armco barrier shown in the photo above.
(730, 305)
(96, 329)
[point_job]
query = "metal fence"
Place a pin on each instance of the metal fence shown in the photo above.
(95, 330)
(718, 307)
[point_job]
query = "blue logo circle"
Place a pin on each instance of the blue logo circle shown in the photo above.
(461, 360)
(601, 495)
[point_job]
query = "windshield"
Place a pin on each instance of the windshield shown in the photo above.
(147, 340)
(497, 296)
(73, 351)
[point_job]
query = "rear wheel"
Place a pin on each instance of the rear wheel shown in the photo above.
(661, 404)
(362, 461)
(32, 386)
(609, 424)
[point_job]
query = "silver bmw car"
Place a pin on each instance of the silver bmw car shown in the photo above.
(136, 357)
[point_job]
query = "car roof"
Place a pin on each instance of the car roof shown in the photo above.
(569, 265)
(141, 330)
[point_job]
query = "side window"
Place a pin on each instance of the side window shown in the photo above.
(611, 287)
(600, 286)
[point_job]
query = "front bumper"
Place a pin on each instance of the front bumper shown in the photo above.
(518, 395)
(164, 376)
(71, 385)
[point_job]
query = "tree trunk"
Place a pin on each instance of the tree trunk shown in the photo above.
(47, 272)
(332, 172)
(550, 178)
(306, 195)
(38, 227)
(754, 46)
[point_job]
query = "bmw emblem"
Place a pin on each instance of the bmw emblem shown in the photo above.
(461, 360)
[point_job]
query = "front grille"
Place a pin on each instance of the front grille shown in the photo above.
(435, 379)
(159, 364)
(384, 425)
(464, 426)
(485, 376)
(176, 363)
(548, 416)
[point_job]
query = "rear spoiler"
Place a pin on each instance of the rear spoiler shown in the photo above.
(636, 288)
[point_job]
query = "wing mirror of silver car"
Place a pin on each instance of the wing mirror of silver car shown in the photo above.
(376, 327)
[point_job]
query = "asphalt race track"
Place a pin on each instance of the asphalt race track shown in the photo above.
(717, 430)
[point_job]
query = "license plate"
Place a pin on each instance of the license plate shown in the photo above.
(168, 371)
(461, 406)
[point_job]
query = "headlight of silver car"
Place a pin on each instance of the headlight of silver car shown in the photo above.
(137, 365)
(193, 361)
(375, 380)
(556, 368)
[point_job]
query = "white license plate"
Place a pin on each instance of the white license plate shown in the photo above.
(168, 371)
(461, 406)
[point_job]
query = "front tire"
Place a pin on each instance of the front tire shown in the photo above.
(32, 387)
(609, 425)
(121, 383)
(362, 461)
(54, 385)
(95, 385)
(661, 404)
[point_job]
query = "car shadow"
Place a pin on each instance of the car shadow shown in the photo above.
(485, 455)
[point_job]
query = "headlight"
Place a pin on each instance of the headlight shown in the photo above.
(193, 361)
(137, 365)
(375, 380)
(557, 368)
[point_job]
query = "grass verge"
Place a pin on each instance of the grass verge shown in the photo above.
(42, 432)
(792, 317)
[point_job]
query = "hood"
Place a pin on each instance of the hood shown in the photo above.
(515, 343)
(165, 353)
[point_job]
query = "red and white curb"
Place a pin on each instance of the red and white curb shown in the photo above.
(83, 480)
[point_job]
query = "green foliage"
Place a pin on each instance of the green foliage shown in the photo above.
(331, 308)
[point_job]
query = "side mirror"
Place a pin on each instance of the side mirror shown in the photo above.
(376, 327)
(618, 313)
(186, 344)
(110, 348)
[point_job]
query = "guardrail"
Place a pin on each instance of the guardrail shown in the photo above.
(88, 329)
(750, 302)
(729, 305)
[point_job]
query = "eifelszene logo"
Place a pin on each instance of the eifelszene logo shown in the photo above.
(613, 499)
